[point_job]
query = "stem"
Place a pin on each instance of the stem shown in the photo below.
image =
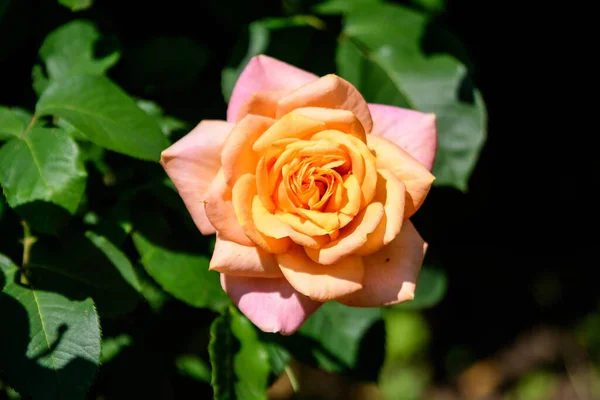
(31, 125)
(28, 241)
(292, 377)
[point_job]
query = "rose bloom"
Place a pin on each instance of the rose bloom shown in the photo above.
(309, 190)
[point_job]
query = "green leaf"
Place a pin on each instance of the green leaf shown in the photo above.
(240, 363)
(76, 5)
(344, 327)
(105, 114)
(261, 38)
(167, 124)
(183, 275)
(78, 258)
(117, 257)
(279, 357)
(50, 342)
(111, 347)
(42, 164)
(11, 124)
(193, 366)
(380, 53)
(70, 50)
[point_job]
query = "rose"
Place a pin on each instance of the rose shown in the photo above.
(309, 190)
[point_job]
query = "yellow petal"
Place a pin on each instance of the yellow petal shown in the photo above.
(415, 176)
(339, 120)
(234, 259)
(330, 91)
(237, 157)
(292, 125)
(263, 103)
(321, 282)
(243, 194)
(391, 192)
(300, 224)
(351, 238)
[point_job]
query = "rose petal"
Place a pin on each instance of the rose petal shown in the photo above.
(330, 91)
(391, 192)
(292, 125)
(234, 259)
(411, 172)
(220, 212)
(321, 282)
(339, 120)
(243, 194)
(391, 274)
(271, 304)
(351, 238)
(263, 103)
(193, 162)
(413, 131)
(265, 73)
(237, 157)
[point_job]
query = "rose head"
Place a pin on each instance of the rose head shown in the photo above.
(309, 190)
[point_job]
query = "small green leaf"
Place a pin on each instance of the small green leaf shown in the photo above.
(380, 52)
(117, 257)
(76, 5)
(167, 124)
(111, 347)
(279, 357)
(50, 342)
(240, 363)
(183, 275)
(344, 327)
(105, 114)
(11, 124)
(193, 366)
(69, 50)
(431, 288)
(42, 164)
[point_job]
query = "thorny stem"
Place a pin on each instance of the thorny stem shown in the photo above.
(28, 241)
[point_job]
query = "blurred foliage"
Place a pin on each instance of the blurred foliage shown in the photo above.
(105, 288)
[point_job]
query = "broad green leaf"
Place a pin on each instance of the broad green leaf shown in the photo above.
(193, 366)
(105, 114)
(183, 275)
(50, 343)
(343, 6)
(76, 5)
(380, 53)
(111, 347)
(262, 33)
(279, 357)
(70, 50)
(240, 363)
(11, 124)
(118, 259)
(167, 124)
(344, 327)
(42, 164)
(89, 264)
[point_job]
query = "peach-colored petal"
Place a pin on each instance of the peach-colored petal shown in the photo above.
(292, 125)
(193, 162)
(414, 131)
(391, 274)
(351, 238)
(263, 103)
(220, 212)
(412, 173)
(391, 192)
(271, 304)
(330, 91)
(339, 120)
(273, 227)
(242, 196)
(237, 157)
(265, 73)
(321, 282)
(234, 259)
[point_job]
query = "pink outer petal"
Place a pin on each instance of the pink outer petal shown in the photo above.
(414, 131)
(193, 162)
(391, 273)
(265, 73)
(271, 304)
